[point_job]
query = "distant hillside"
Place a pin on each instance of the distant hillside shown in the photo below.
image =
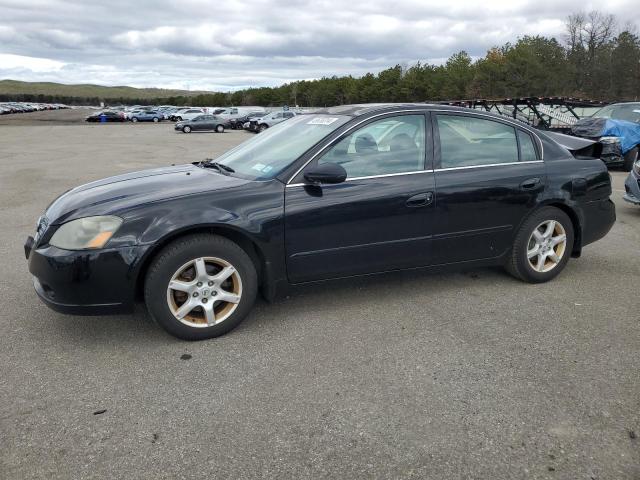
(15, 88)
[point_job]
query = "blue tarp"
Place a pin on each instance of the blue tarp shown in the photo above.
(594, 128)
(628, 132)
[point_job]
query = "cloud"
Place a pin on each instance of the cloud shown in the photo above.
(226, 45)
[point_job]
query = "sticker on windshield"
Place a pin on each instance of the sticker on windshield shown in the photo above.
(322, 121)
(261, 167)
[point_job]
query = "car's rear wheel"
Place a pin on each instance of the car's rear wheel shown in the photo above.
(629, 159)
(542, 246)
(156, 119)
(134, 119)
(186, 129)
(220, 128)
(200, 286)
(178, 119)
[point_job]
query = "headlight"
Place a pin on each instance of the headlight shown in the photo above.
(609, 140)
(88, 232)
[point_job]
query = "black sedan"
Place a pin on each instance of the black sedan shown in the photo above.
(106, 117)
(203, 123)
(351, 190)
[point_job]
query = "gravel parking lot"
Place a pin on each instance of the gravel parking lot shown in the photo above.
(408, 375)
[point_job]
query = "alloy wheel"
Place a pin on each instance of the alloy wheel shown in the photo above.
(204, 292)
(547, 245)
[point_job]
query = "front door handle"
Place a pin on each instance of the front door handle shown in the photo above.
(420, 200)
(530, 184)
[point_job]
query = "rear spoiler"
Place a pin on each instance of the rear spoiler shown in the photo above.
(579, 147)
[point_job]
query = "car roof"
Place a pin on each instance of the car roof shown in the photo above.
(357, 110)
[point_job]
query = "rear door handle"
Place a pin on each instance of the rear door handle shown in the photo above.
(420, 200)
(530, 184)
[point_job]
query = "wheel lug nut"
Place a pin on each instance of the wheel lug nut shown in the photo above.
(195, 294)
(214, 293)
(199, 284)
(211, 283)
(204, 300)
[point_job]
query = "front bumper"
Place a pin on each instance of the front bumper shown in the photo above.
(632, 189)
(86, 282)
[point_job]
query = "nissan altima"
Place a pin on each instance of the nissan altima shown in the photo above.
(350, 190)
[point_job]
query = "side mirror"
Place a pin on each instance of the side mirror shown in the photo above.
(326, 173)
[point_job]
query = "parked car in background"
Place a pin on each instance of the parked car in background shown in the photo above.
(203, 123)
(351, 190)
(7, 108)
(617, 128)
(249, 124)
(237, 123)
(262, 123)
(632, 185)
(235, 112)
(146, 116)
(186, 114)
(106, 116)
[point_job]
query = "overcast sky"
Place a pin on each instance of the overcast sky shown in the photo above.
(225, 45)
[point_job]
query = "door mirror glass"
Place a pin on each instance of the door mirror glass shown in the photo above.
(326, 173)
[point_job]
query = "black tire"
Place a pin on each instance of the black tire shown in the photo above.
(178, 119)
(629, 159)
(518, 263)
(263, 127)
(156, 119)
(220, 128)
(186, 129)
(134, 119)
(170, 260)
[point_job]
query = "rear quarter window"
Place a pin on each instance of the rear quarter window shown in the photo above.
(528, 151)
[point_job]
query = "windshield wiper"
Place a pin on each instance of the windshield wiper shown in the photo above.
(222, 166)
(209, 163)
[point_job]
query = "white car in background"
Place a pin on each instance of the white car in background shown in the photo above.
(186, 114)
(273, 118)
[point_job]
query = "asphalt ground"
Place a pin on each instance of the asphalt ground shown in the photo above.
(406, 375)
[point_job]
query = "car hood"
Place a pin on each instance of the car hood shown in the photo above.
(116, 194)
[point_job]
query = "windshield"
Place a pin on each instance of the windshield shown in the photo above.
(271, 151)
(621, 111)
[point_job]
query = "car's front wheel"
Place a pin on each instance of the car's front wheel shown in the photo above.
(220, 128)
(134, 120)
(263, 127)
(200, 286)
(156, 119)
(542, 246)
(186, 129)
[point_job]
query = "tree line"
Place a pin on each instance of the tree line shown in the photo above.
(596, 59)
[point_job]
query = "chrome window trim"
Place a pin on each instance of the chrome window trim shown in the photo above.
(414, 172)
(423, 111)
(487, 165)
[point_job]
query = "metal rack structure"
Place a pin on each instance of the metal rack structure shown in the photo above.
(546, 113)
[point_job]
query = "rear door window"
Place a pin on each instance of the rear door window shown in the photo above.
(467, 141)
